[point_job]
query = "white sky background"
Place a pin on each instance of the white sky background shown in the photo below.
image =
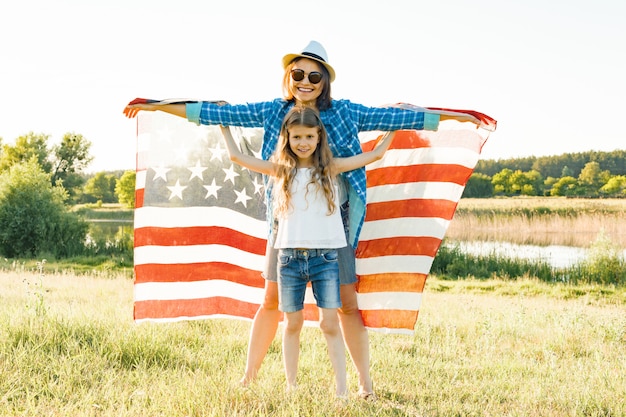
(552, 72)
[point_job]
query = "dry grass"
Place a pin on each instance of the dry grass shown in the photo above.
(540, 221)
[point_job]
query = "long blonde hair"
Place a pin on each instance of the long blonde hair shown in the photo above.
(286, 161)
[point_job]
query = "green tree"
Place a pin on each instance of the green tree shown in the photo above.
(615, 186)
(534, 184)
(565, 186)
(125, 189)
(547, 185)
(64, 162)
(102, 187)
(71, 157)
(567, 172)
(478, 186)
(26, 147)
(33, 217)
(592, 178)
(501, 182)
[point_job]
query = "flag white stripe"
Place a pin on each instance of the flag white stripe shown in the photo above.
(419, 264)
(168, 255)
(438, 156)
(425, 191)
(404, 226)
(389, 301)
(140, 180)
(197, 289)
(173, 217)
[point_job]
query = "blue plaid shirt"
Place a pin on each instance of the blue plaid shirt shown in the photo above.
(343, 122)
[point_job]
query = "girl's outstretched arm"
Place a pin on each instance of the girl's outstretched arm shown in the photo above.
(360, 160)
(248, 161)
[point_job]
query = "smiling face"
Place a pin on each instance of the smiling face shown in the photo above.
(303, 141)
(304, 92)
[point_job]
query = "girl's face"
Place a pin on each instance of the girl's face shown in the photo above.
(303, 141)
(304, 91)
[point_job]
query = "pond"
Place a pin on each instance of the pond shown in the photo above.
(555, 255)
(110, 230)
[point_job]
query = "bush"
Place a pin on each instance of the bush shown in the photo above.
(604, 263)
(33, 217)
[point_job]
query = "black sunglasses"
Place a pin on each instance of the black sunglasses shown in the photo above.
(314, 76)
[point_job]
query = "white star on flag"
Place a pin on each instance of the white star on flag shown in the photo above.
(242, 197)
(257, 186)
(217, 152)
(212, 189)
(196, 171)
(160, 172)
(230, 174)
(177, 190)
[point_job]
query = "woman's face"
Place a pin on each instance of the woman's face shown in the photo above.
(304, 91)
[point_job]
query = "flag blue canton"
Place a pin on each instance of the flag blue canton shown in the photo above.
(197, 172)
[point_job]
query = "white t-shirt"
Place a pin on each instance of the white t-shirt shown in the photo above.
(307, 223)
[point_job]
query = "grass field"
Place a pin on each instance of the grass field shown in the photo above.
(69, 347)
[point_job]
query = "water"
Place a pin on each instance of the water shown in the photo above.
(110, 230)
(555, 255)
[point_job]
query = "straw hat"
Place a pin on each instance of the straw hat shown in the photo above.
(315, 51)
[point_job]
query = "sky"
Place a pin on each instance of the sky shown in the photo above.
(551, 72)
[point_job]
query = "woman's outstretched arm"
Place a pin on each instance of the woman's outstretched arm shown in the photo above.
(132, 109)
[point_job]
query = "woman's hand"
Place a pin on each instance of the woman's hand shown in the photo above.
(131, 110)
(460, 117)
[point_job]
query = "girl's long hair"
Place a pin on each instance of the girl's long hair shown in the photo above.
(286, 161)
(324, 100)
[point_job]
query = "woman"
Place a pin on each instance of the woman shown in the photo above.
(307, 82)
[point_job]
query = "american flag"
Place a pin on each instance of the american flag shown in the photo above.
(200, 221)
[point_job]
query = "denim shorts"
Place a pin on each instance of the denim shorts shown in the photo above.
(346, 258)
(297, 267)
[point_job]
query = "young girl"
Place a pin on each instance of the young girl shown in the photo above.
(310, 229)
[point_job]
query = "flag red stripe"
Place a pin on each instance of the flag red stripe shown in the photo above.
(139, 195)
(171, 309)
(197, 307)
(457, 174)
(391, 282)
(407, 139)
(419, 207)
(390, 319)
(201, 235)
(197, 272)
(404, 139)
(400, 245)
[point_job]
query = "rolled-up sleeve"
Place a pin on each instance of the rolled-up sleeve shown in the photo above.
(431, 121)
(193, 112)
